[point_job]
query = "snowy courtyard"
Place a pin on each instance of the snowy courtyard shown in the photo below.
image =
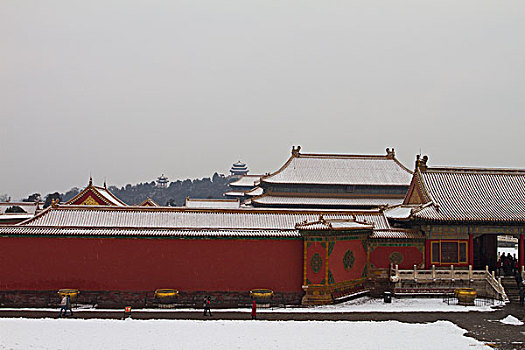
(183, 334)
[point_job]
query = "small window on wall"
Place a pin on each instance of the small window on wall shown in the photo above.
(449, 252)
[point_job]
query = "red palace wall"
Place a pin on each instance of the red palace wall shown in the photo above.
(125, 264)
(353, 266)
(315, 271)
(404, 255)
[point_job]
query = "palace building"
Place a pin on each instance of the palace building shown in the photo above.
(462, 211)
(15, 212)
(326, 227)
(239, 169)
(95, 195)
(333, 181)
(244, 188)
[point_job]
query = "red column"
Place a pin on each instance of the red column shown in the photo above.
(470, 250)
(520, 251)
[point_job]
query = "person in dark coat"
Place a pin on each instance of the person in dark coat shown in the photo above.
(522, 295)
(518, 279)
(207, 306)
(254, 310)
(69, 305)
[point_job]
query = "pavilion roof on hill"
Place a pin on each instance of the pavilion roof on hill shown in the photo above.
(95, 195)
(337, 169)
(465, 194)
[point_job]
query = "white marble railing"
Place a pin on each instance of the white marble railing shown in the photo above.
(448, 275)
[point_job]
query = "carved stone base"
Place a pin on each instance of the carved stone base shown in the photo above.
(317, 295)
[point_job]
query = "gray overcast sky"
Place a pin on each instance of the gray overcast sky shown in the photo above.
(127, 90)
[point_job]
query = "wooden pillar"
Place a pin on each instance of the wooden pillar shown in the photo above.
(470, 249)
(520, 251)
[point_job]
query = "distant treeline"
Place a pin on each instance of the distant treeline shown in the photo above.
(173, 195)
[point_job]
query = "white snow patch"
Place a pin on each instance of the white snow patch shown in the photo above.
(365, 304)
(511, 320)
(185, 334)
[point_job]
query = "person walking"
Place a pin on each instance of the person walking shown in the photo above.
(254, 309)
(207, 306)
(68, 306)
(63, 306)
(522, 295)
(518, 279)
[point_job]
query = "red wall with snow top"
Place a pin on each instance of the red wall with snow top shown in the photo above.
(127, 264)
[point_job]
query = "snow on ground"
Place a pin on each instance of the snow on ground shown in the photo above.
(367, 304)
(511, 320)
(364, 304)
(97, 334)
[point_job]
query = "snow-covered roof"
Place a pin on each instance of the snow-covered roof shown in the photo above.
(396, 234)
(188, 218)
(323, 224)
(101, 193)
(246, 181)
(109, 196)
(336, 169)
(257, 191)
(148, 202)
(212, 203)
(236, 194)
(268, 199)
(469, 194)
(400, 212)
(28, 207)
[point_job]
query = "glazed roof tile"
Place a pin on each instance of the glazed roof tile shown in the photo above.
(257, 191)
(212, 203)
(341, 170)
(28, 207)
(246, 181)
(323, 224)
(187, 218)
(472, 194)
(234, 194)
(396, 234)
(268, 199)
(100, 192)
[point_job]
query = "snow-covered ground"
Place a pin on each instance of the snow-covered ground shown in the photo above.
(364, 304)
(511, 320)
(367, 304)
(184, 334)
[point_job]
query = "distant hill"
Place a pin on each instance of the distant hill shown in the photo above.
(174, 194)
